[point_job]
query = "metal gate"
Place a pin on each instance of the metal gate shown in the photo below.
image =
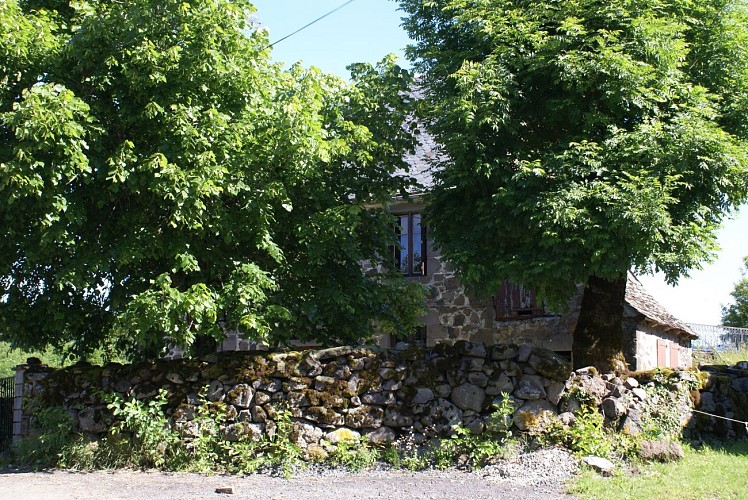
(7, 392)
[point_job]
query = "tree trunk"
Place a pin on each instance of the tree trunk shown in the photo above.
(598, 337)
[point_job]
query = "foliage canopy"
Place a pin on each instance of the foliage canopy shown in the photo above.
(159, 176)
(582, 138)
(736, 314)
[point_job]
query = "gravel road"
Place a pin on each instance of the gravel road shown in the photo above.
(538, 475)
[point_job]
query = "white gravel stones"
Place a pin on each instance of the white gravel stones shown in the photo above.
(548, 467)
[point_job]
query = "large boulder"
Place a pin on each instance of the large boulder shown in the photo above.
(660, 450)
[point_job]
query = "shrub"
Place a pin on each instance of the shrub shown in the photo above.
(153, 442)
(52, 431)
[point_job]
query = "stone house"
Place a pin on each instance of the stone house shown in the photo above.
(653, 337)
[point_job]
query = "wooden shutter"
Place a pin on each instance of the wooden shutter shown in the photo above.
(674, 351)
(514, 301)
(662, 357)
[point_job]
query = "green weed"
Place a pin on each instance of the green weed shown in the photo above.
(353, 454)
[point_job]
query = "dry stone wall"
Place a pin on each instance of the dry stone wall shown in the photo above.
(344, 391)
(724, 394)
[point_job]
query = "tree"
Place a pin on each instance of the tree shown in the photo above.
(159, 176)
(583, 139)
(736, 314)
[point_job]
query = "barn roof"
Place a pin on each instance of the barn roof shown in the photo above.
(653, 312)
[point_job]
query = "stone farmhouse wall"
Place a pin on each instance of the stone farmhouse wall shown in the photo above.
(455, 314)
(644, 354)
(353, 391)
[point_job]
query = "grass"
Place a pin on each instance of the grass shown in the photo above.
(711, 472)
(720, 357)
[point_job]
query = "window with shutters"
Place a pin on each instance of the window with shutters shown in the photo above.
(410, 256)
(514, 301)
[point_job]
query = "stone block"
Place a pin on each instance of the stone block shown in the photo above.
(600, 465)
(444, 416)
(322, 415)
(364, 417)
(381, 436)
(468, 397)
(341, 435)
(549, 364)
(215, 391)
(523, 352)
(533, 412)
(393, 418)
(530, 387)
(554, 392)
(471, 349)
(613, 408)
(241, 396)
(478, 378)
(422, 396)
(503, 352)
(661, 450)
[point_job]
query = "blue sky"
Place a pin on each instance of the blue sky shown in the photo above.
(363, 31)
(367, 30)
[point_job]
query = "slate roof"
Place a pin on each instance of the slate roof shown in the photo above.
(421, 161)
(642, 302)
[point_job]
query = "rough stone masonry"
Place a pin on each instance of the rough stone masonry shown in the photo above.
(342, 392)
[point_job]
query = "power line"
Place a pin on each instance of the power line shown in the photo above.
(309, 24)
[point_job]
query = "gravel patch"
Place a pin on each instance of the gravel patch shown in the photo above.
(537, 475)
(547, 469)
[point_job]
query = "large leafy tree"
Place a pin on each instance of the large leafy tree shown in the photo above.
(583, 139)
(159, 176)
(736, 314)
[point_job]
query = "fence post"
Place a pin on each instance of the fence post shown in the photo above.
(18, 403)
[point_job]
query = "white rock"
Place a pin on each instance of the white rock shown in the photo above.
(599, 464)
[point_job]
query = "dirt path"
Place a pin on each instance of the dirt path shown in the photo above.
(18, 485)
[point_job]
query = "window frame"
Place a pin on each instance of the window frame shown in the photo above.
(397, 249)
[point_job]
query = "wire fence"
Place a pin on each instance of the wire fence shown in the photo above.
(719, 338)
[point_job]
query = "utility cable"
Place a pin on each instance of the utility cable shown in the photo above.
(309, 24)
